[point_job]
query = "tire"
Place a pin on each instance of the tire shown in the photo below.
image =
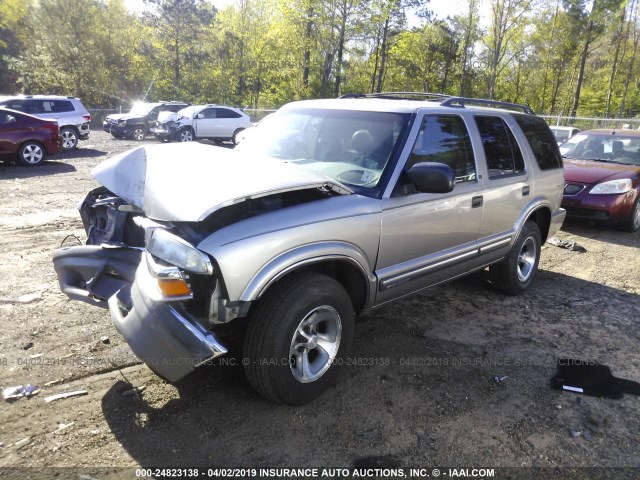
(69, 138)
(284, 333)
(632, 224)
(516, 273)
(185, 135)
(138, 133)
(31, 154)
(235, 135)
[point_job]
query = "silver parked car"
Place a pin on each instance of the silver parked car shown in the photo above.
(563, 134)
(71, 115)
(326, 210)
(213, 122)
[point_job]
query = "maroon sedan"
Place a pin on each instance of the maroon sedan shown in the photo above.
(602, 176)
(27, 138)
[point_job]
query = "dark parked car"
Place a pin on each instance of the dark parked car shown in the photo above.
(602, 176)
(139, 120)
(26, 138)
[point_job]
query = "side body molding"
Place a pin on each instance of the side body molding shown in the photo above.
(306, 255)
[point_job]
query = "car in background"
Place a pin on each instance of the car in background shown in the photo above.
(139, 120)
(26, 138)
(212, 122)
(563, 134)
(602, 176)
(72, 116)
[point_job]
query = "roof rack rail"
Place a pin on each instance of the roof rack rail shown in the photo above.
(398, 95)
(463, 101)
(446, 100)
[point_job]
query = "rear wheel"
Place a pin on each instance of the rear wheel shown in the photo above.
(31, 154)
(138, 133)
(298, 334)
(235, 135)
(515, 273)
(69, 138)
(633, 223)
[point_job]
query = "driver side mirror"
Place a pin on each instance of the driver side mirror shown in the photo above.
(431, 177)
(200, 115)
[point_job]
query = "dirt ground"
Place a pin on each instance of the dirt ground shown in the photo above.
(420, 389)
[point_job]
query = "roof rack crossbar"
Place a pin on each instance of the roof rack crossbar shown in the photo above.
(462, 101)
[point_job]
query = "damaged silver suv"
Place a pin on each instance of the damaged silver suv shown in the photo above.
(326, 210)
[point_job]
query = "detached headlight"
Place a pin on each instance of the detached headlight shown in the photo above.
(175, 251)
(612, 186)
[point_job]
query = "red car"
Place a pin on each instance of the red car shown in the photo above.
(602, 176)
(27, 138)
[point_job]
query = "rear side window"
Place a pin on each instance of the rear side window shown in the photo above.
(60, 106)
(444, 139)
(500, 147)
(541, 140)
(226, 113)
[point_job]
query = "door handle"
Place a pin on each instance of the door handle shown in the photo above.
(476, 202)
(525, 190)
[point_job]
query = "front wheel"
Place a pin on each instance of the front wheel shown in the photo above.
(69, 138)
(297, 336)
(138, 133)
(515, 273)
(185, 135)
(633, 223)
(31, 154)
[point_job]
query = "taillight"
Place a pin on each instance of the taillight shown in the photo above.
(87, 118)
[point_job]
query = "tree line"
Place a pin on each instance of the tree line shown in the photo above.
(571, 57)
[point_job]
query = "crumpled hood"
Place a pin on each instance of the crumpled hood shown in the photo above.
(587, 171)
(188, 181)
(117, 116)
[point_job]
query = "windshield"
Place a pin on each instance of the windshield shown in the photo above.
(141, 108)
(616, 148)
(352, 147)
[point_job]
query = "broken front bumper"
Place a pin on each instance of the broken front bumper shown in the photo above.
(161, 333)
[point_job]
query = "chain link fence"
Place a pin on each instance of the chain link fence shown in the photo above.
(587, 123)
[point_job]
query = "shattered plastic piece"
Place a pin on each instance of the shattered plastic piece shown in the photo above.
(57, 396)
(133, 391)
(27, 346)
(569, 245)
(104, 339)
(11, 393)
(53, 382)
(500, 378)
(64, 426)
(23, 443)
(587, 435)
(574, 433)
